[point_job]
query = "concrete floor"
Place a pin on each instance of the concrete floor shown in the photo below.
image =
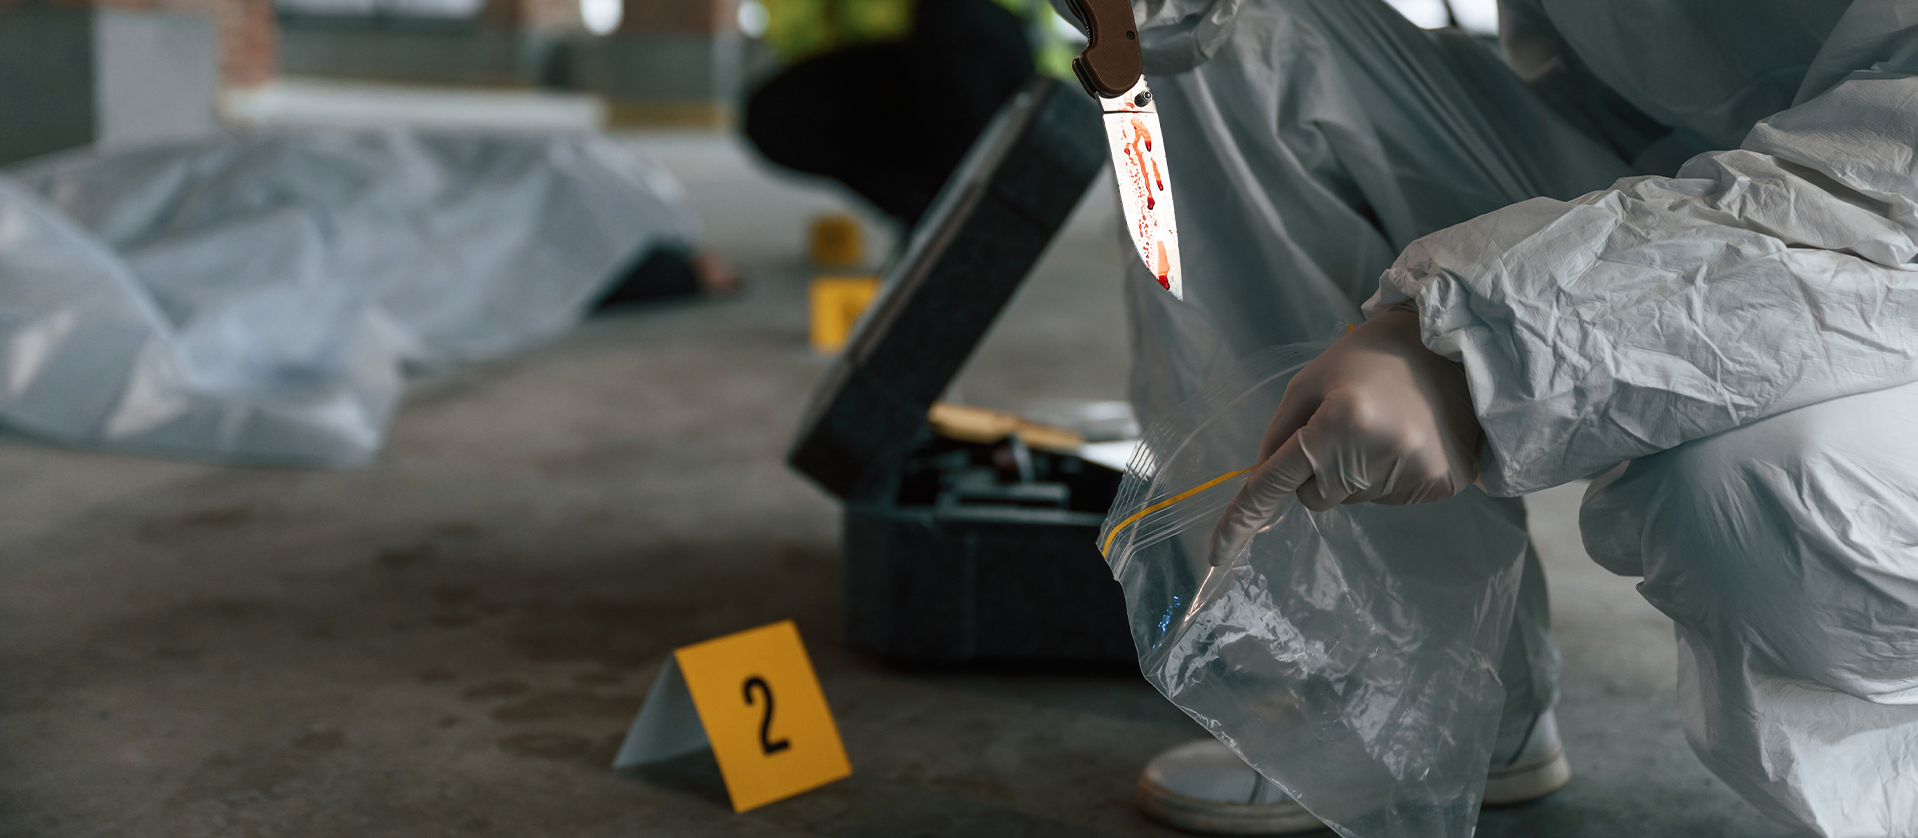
(452, 641)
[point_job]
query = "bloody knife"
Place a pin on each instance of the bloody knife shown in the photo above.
(1113, 72)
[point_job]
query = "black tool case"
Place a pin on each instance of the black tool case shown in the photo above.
(951, 553)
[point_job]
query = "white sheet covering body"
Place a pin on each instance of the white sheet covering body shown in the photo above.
(257, 298)
(1599, 319)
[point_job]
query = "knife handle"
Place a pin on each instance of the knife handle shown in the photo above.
(1111, 63)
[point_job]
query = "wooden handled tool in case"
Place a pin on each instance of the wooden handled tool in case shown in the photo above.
(1111, 63)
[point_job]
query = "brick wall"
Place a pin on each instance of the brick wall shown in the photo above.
(249, 35)
(552, 15)
(678, 17)
(549, 15)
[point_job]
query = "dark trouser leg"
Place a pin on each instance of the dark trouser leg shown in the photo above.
(891, 121)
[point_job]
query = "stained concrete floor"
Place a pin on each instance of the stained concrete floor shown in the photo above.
(451, 642)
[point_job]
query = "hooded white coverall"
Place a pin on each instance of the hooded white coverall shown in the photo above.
(1743, 330)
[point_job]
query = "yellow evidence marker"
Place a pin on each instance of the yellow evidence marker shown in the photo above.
(837, 241)
(836, 303)
(754, 699)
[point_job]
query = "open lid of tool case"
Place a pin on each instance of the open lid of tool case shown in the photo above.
(985, 232)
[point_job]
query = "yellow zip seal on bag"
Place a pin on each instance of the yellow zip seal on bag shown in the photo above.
(1106, 547)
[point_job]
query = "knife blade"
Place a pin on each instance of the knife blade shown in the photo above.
(1111, 69)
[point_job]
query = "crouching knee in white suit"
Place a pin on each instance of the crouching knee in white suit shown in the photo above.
(1787, 553)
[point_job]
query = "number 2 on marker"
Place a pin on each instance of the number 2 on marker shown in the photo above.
(731, 681)
(766, 745)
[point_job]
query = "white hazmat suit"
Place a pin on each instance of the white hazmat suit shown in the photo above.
(1672, 233)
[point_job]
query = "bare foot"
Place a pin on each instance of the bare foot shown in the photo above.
(716, 278)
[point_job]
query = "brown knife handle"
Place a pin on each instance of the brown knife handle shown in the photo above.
(1111, 63)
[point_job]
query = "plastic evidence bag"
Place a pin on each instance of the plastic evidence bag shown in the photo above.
(1349, 655)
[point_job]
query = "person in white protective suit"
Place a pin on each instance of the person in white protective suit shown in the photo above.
(1672, 235)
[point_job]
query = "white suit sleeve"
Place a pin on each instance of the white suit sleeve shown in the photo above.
(1662, 310)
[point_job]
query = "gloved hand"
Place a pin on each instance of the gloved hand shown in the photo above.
(1376, 417)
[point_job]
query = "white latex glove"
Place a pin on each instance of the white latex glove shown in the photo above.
(1376, 417)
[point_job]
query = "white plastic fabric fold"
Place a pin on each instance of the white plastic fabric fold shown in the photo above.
(257, 298)
(1662, 310)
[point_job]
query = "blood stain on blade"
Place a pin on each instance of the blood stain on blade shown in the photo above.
(1138, 158)
(1135, 168)
(1162, 267)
